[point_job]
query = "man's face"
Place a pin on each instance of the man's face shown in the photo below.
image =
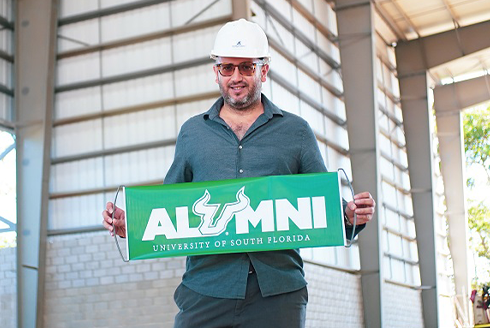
(238, 90)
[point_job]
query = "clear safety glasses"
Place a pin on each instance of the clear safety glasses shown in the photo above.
(245, 68)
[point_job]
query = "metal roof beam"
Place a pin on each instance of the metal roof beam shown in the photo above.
(457, 96)
(428, 52)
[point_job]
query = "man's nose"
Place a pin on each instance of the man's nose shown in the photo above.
(236, 76)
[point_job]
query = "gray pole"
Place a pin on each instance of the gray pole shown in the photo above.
(35, 35)
(355, 21)
(449, 100)
(241, 9)
(414, 58)
(418, 135)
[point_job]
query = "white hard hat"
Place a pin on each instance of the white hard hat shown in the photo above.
(242, 39)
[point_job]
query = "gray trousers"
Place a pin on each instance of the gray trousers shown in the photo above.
(198, 311)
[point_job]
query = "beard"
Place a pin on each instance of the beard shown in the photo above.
(250, 99)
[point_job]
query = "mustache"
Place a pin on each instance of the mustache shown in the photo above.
(239, 84)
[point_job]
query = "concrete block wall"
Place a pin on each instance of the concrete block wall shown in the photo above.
(403, 307)
(8, 287)
(88, 285)
(334, 298)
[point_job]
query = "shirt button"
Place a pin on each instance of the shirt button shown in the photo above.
(240, 147)
(241, 170)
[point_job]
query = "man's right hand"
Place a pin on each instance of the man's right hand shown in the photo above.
(119, 220)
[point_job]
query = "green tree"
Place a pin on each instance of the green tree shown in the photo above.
(479, 222)
(7, 240)
(477, 138)
(476, 125)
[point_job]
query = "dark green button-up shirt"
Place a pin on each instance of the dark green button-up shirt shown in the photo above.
(277, 143)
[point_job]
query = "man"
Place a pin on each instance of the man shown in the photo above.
(244, 135)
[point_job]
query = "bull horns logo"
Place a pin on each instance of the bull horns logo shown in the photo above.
(211, 226)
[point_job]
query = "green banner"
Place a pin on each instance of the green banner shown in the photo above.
(234, 216)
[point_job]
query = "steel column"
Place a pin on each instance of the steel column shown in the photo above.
(35, 33)
(418, 136)
(414, 58)
(449, 129)
(449, 100)
(241, 9)
(355, 19)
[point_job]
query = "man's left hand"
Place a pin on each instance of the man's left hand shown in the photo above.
(363, 206)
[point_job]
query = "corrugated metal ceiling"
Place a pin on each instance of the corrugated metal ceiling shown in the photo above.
(412, 19)
(419, 18)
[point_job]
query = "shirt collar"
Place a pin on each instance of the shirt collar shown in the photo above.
(269, 108)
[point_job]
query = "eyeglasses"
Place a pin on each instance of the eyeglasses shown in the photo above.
(245, 68)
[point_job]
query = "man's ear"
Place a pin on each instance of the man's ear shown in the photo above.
(264, 69)
(215, 69)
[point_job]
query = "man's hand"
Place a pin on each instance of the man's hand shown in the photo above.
(119, 220)
(363, 206)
